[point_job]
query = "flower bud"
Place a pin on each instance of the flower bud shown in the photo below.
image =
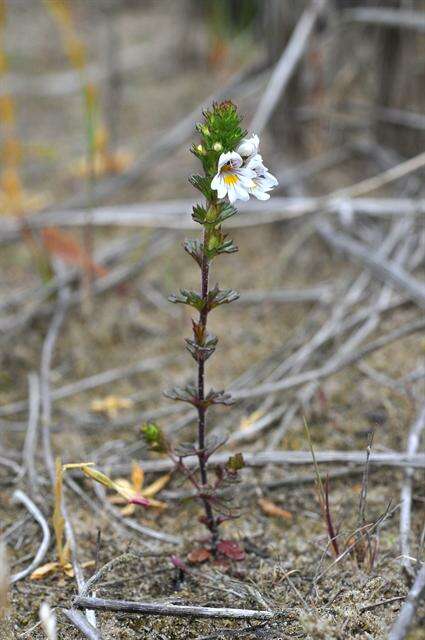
(200, 149)
(248, 146)
(217, 146)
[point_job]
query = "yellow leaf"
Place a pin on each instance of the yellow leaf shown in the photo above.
(273, 510)
(156, 486)
(44, 570)
(137, 476)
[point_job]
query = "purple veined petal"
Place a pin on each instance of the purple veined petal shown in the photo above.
(256, 163)
(232, 158)
(245, 174)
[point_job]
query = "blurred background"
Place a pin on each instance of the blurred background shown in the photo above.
(111, 77)
(98, 103)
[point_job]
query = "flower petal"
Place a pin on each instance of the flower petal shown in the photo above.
(232, 158)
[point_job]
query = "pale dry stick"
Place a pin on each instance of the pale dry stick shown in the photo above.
(321, 293)
(109, 253)
(92, 382)
(12, 465)
(328, 370)
(114, 278)
(351, 297)
(45, 390)
(21, 497)
(31, 437)
(287, 64)
(413, 441)
(174, 610)
(312, 166)
(406, 616)
(384, 269)
(294, 480)
(376, 182)
(94, 579)
(398, 18)
(281, 458)
(82, 624)
(172, 214)
(46, 416)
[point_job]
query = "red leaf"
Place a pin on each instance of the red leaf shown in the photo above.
(231, 550)
(197, 556)
(67, 248)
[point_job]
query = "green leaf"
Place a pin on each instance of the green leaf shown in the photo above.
(154, 437)
(191, 298)
(236, 462)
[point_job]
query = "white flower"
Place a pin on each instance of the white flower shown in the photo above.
(263, 180)
(232, 178)
(249, 146)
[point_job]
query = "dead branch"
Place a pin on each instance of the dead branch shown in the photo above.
(413, 440)
(82, 624)
(332, 368)
(287, 64)
(179, 611)
(278, 458)
(399, 18)
(172, 214)
(91, 382)
(21, 497)
(386, 270)
(30, 444)
(404, 621)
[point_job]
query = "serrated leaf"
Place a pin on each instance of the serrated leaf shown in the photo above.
(236, 462)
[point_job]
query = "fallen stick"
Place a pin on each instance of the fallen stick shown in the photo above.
(330, 369)
(175, 610)
(413, 440)
(91, 382)
(386, 270)
(404, 621)
(400, 19)
(282, 458)
(287, 64)
(173, 214)
(20, 496)
(31, 437)
(82, 624)
(314, 294)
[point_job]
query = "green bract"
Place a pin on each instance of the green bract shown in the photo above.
(220, 132)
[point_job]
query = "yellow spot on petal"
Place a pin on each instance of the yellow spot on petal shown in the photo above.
(230, 179)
